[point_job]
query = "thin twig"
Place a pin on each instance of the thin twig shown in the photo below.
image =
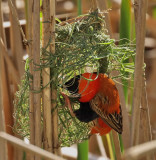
(14, 13)
(16, 43)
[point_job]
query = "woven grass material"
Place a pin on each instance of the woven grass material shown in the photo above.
(82, 44)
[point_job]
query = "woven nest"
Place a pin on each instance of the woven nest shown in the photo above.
(81, 45)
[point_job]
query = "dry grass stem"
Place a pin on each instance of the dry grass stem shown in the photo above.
(140, 151)
(3, 145)
(144, 114)
(14, 13)
(2, 35)
(101, 146)
(117, 144)
(10, 64)
(126, 122)
(36, 74)
(46, 96)
(145, 118)
(16, 43)
(93, 4)
(29, 147)
(139, 62)
(6, 103)
(31, 96)
(17, 53)
(55, 141)
(5, 90)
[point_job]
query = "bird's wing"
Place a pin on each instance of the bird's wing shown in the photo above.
(114, 120)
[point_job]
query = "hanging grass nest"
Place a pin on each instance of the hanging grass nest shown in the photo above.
(81, 45)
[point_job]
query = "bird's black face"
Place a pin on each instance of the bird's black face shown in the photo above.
(73, 84)
(85, 113)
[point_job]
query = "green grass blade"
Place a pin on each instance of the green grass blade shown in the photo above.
(79, 9)
(121, 143)
(125, 21)
(154, 12)
(83, 150)
(125, 37)
(125, 32)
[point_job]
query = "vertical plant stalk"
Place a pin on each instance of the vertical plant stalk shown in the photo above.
(55, 142)
(117, 144)
(9, 63)
(140, 14)
(2, 35)
(125, 33)
(145, 119)
(101, 146)
(83, 150)
(31, 95)
(145, 122)
(7, 109)
(8, 106)
(46, 96)
(16, 41)
(79, 3)
(15, 15)
(93, 4)
(110, 147)
(3, 145)
(36, 74)
(17, 54)
(125, 21)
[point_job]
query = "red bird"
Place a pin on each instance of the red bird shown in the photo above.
(99, 99)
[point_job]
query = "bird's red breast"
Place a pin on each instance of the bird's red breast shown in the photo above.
(88, 86)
